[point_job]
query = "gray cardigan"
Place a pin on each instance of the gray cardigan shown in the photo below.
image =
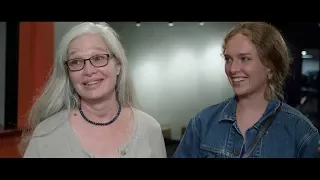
(54, 138)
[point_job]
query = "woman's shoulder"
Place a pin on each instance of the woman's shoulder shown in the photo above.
(145, 119)
(51, 123)
(215, 112)
(296, 117)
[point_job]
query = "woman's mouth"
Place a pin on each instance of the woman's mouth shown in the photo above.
(93, 83)
(236, 80)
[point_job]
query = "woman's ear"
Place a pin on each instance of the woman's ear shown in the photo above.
(118, 69)
(269, 74)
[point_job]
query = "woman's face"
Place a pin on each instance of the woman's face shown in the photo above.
(92, 83)
(246, 73)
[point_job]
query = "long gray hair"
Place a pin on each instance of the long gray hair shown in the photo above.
(58, 93)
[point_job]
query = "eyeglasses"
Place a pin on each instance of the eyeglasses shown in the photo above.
(96, 61)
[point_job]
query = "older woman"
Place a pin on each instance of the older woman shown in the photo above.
(86, 108)
(255, 122)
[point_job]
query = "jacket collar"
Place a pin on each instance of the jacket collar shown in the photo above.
(229, 111)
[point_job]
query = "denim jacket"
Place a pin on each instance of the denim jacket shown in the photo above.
(213, 133)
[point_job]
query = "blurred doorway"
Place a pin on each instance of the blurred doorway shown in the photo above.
(310, 85)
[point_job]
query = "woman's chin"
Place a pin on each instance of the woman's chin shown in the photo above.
(240, 92)
(97, 95)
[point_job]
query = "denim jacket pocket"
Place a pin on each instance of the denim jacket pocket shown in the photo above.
(211, 152)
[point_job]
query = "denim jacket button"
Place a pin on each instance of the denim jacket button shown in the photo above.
(236, 152)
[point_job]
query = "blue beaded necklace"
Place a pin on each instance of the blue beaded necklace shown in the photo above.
(101, 124)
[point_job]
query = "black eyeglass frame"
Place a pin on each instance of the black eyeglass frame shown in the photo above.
(109, 56)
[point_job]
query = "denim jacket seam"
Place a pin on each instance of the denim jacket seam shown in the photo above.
(305, 140)
(300, 117)
(194, 128)
(292, 113)
(227, 103)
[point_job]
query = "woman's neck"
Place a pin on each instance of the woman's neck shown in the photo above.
(103, 109)
(253, 103)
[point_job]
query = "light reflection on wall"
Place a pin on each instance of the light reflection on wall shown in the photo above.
(177, 72)
(173, 89)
